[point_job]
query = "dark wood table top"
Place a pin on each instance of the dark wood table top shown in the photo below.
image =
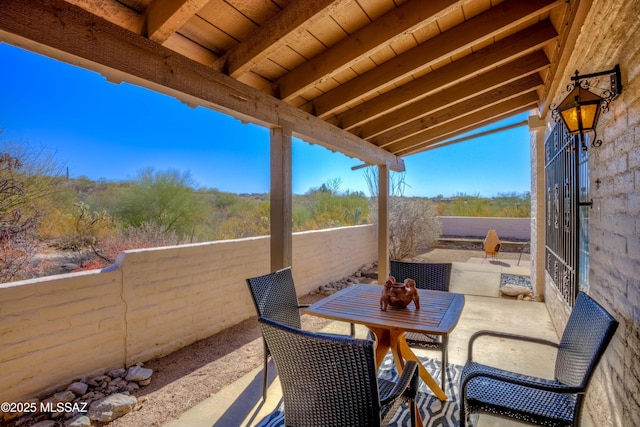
(438, 315)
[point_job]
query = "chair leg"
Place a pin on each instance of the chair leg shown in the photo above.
(265, 373)
(463, 415)
(413, 411)
(353, 330)
(445, 362)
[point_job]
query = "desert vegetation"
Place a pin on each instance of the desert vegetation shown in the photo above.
(42, 211)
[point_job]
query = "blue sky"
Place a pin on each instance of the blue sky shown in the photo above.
(103, 130)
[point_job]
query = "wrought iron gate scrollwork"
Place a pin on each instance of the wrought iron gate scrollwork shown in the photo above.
(567, 237)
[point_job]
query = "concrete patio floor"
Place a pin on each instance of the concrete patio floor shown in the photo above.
(240, 404)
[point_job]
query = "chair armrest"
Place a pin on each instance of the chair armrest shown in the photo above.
(506, 335)
(407, 384)
(547, 386)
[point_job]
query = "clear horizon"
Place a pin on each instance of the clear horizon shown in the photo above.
(102, 130)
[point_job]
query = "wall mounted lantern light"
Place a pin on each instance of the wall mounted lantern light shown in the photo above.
(581, 109)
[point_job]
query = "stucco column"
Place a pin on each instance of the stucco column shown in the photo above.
(281, 189)
(537, 128)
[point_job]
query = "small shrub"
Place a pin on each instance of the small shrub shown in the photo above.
(413, 224)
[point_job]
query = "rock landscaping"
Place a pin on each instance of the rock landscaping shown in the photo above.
(368, 273)
(512, 285)
(86, 402)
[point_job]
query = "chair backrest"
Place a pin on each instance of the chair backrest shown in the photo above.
(327, 380)
(274, 296)
(435, 276)
(585, 338)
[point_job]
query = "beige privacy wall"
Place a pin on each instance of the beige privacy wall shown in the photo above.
(54, 329)
(152, 302)
(466, 226)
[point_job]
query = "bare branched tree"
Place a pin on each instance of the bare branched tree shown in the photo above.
(413, 222)
(26, 178)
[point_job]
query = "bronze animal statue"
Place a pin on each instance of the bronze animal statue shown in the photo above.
(399, 295)
(386, 293)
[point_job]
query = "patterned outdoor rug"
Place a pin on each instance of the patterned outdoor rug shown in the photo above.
(433, 411)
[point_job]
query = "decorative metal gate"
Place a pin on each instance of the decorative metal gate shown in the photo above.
(567, 228)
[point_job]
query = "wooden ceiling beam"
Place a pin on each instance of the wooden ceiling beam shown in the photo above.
(179, 43)
(435, 142)
(466, 123)
(479, 102)
(114, 12)
(522, 43)
(165, 17)
(499, 77)
(370, 38)
(291, 21)
(71, 34)
(476, 30)
(451, 141)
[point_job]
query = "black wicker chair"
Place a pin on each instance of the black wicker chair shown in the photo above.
(274, 296)
(435, 276)
(555, 402)
(330, 380)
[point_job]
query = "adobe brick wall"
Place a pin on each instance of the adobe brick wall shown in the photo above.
(611, 35)
(150, 303)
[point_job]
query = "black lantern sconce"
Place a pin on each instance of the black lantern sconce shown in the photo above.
(581, 109)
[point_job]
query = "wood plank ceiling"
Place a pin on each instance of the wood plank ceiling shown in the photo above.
(402, 75)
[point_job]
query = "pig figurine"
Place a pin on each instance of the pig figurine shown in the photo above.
(399, 295)
(412, 292)
(387, 293)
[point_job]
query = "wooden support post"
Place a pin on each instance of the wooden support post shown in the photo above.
(383, 223)
(281, 227)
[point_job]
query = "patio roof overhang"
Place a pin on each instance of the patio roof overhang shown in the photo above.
(373, 79)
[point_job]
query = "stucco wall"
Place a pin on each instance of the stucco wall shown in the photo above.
(54, 329)
(150, 303)
(611, 35)
(465, 226)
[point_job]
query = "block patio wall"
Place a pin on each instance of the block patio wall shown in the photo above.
(614, 220)
(466, 226)
(150, 303)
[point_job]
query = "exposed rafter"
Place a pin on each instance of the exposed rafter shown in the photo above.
(483, 83)
(465, 127)
(463, 124)
(482, 102)
(481, 28)
(165, 17)
(122, 55)
(496, 54)
(114, 12)
(383, 31)
(477, 135)
(272, 35)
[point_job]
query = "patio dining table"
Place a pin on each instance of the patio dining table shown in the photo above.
(438, 315)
